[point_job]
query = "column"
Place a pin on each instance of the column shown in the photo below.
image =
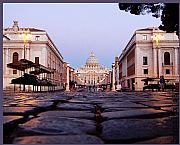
(157, 53)
(160, 62)
(22, 53)
(117, 72)
(67, 78)
(6, 51)
(109, 77)
(176, 61)
(113, 77)
(71, 74)
(28, 53)
(155, 62)
(25, 52)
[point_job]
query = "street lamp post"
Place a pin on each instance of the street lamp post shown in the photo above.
(157, 37)
(25, 36)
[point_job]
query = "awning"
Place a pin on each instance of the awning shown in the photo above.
(27, 79)
(22, 64)
(148, 79)
(41, 69)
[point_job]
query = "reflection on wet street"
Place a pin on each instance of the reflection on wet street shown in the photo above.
(90, 118)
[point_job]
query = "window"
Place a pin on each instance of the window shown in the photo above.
(167, 71)
(37, 38)
(15, 57)
(146, 71)
(166, 58)
(36, 60)
(14, 71)
(145, 62)
(144, 37)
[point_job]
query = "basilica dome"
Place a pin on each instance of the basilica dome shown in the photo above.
(92, 60)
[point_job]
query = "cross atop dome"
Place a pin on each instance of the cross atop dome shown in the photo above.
(92, 54)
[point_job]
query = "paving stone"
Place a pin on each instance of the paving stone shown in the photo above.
(116, 109)
(121, 130)
(58, 125)
(71, 114)
(68, 139)
(6, 105)
(160, 140)
(10, 119)
(75, 101)
(134, 113)
(97, 101)
(157, 104)
(75, 106)
(159, 97)
(13, 104)
(54, 97)
(79, 101)
(172, 108)
(125, 104)
(167, 108)
(35, 103)
(17, 110)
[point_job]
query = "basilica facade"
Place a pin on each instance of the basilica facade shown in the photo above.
(92, 73)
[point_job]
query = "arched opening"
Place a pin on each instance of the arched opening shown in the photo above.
(166, 58)
(15, 57)
(15, 60)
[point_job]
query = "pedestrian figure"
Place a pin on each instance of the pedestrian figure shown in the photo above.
(162, 83)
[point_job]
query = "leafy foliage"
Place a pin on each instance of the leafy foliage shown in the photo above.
(169, 13)
(170, 18)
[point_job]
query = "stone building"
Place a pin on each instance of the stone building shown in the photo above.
(92, 73)
(149, 53)
(37, 48)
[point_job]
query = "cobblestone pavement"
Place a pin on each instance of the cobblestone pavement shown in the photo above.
(90, 118)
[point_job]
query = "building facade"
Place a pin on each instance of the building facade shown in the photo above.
(38, 48)
(92, 73)
(150, 53)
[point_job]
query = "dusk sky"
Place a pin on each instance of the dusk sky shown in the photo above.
(78, 29)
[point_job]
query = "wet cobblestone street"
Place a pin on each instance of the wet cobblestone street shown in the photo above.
(90, 118)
